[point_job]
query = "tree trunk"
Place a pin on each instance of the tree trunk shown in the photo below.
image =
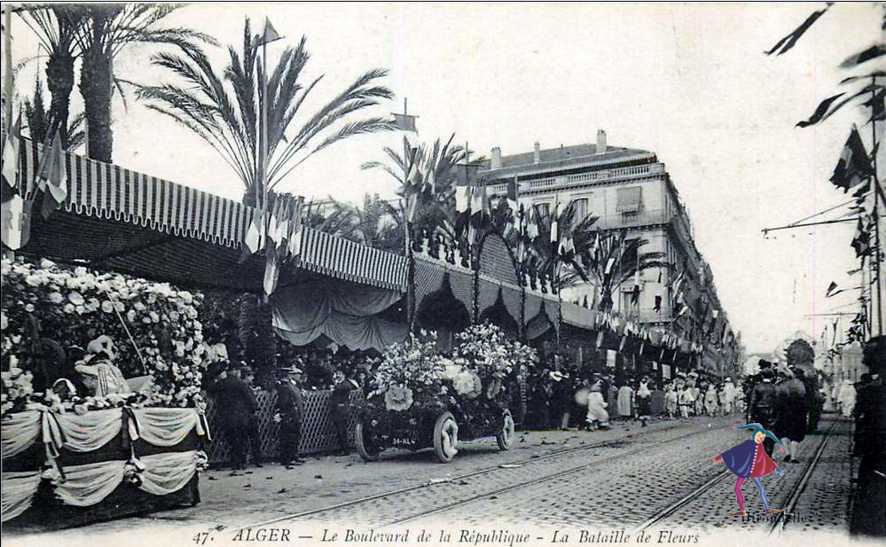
(60, 79)
(95, 87)
(257, 331)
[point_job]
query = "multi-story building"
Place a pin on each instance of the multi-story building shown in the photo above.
(627, 190)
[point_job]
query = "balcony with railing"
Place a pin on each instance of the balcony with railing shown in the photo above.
(579, 179)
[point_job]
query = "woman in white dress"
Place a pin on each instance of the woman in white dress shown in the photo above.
(597, 414)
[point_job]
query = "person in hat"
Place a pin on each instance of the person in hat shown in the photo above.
(728, 394)
(644, 401)
(236, 404)
(340, 408)
(97, 369)
(791, 411)
(870, 444)
(253, 430)
(597, 415)
(763, 402)
(290, 413)
(672, 399)
(846, 398)
(748, 461)
(561, 385)
(711, 405)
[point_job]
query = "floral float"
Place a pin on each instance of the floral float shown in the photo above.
(139, 350)
(49, 314)
(423, 398)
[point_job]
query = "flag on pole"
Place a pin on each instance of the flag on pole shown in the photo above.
(820, 112)
(831, 288)
(531, 222)
(555, 224)
(272, 268)
(788, 42)
(405, 122)
(269, 34)
(16, 222)
(854, 165)
(861, 240)
(53, 176)
(11, 156)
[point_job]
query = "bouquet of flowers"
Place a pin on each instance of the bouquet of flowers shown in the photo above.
(47, 305)
(408, 370)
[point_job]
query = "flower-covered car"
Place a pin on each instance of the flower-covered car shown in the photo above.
(424, 399)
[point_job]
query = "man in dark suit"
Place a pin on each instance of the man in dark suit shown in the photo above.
(763, 402)
(869, 514)
(236, 404)
(290, 413)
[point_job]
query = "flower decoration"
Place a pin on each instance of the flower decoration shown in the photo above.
(201, 461)
(398, 398)
(73, 306)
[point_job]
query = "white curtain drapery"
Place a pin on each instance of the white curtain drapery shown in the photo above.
(20, 430)
(89, 484)
(17, 492)
(344, 312)
(168, 472)
(166, 426)
(90, 431)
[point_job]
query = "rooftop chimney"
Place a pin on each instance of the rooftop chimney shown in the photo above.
(536, 156)
(496, 158)
(601, 142)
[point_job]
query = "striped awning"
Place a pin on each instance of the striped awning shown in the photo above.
(121, 212)
(336, 257)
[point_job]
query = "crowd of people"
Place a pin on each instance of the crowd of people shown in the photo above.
(560, 396)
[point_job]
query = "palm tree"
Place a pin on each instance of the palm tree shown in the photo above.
(55, 27)
(612, 261)
(222, 108)
(102, 32)
(426, 174)
(40, 122)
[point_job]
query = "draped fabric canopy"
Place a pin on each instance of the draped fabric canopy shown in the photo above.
(346, 313)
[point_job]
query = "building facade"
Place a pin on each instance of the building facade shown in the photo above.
(628, 190)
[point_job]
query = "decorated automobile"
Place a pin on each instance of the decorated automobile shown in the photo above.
(424, 398)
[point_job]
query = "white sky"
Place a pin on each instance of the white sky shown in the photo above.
(689, 82)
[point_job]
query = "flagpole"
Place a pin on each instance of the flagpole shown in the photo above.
(877, 193)
(7, 59)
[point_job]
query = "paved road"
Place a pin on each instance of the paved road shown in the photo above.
(615, 480)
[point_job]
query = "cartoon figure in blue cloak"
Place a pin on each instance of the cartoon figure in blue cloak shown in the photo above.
(749, 460)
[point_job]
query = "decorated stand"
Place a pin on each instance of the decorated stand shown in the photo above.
(423, 399)
(79, 442)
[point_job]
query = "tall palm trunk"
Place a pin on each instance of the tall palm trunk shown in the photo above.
(60, 79)
(95, 87)
(257, 330)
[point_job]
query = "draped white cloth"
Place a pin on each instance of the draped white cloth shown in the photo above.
(165, 473)
(90, 483)
(161, 426)
(20, 430)
(90, 431)
(344, 312)
(17, 491)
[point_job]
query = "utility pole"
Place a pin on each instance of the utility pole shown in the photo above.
(877, 195)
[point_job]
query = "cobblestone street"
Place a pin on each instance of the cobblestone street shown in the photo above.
(660, 477)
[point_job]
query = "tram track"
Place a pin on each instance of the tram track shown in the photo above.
(486, 470)
(779, 520)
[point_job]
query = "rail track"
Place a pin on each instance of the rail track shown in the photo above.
(779, 519)
(486, 470)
